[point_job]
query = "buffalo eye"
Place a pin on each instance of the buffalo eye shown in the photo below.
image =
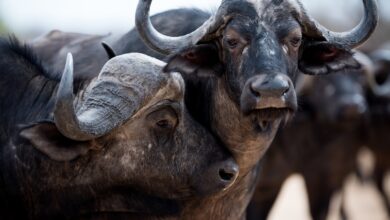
(233, 39)
(165, 118)
(296, 41)
(293, 41)
(232, 43)
(163, 122)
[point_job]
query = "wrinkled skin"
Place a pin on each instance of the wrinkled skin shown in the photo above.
(270, 48)
(145, 168)
(321, 143)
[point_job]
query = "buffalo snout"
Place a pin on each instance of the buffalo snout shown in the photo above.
(268, 91)
(352, 107)
(219, 176)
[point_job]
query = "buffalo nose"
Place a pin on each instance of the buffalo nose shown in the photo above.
(354, 108)
(352, 111)
(274, 86)
(217, 177)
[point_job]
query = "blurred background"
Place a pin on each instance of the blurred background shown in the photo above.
(31, 18)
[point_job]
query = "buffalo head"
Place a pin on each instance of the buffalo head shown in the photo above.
(336, 98)
(255, 49)
(377, 66)
(124, 144)
(258, 47)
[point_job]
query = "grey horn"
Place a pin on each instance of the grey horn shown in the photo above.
(353, 38)
(65, 116)
(124, 84)
(167, 44)
(103, 108)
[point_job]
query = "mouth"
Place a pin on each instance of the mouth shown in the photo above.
(264, 119)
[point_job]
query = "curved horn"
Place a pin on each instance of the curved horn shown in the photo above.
(369, 71)
(357, 35)
(65, 116)
(166, 44)
(124, 84)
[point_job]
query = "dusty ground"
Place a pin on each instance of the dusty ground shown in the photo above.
(362, 200)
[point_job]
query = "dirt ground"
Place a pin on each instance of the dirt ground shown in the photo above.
(362, 200)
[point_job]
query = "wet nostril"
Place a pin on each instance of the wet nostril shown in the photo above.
(218, 177)
(352, 111)
(276, 87)
(286, 90)
(254, 91)
(225, 175)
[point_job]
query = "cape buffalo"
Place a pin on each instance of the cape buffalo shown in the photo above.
(253, 51)
(239, 67)
(378, 97)
(125, 146)
(321, 143)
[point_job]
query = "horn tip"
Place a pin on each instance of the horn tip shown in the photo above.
(69, 59)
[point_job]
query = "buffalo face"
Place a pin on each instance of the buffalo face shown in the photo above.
(338, 97)
(257, 48)
(253, 50)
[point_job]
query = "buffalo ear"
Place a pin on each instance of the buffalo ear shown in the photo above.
(46, 138)
(320, 58)
(199, 60)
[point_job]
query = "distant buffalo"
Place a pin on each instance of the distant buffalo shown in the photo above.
(378, 128)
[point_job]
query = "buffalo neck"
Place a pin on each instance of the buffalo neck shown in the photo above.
(211, 106)
(25, 98)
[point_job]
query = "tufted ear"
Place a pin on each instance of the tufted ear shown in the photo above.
(320, 58)
(46, 138)
(200, 60)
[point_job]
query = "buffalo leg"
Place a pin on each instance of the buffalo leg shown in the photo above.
(343, 212)
(379, 176)
(320, 193)
(263, 200)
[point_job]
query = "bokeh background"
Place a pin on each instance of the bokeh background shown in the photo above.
(30, 18)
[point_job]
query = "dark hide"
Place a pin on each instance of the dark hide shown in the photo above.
(24, 96)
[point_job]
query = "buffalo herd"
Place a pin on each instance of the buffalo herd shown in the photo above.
(190, 115)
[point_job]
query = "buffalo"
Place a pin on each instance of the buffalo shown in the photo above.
(252, 51)
(239, 66)
(378, 97)
(335, 121)
(123, 146)
(321, 143)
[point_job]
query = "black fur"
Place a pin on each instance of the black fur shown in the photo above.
(26, 90)
(25, 95)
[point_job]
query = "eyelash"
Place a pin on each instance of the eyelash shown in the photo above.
(232, 43)
(296, 41)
